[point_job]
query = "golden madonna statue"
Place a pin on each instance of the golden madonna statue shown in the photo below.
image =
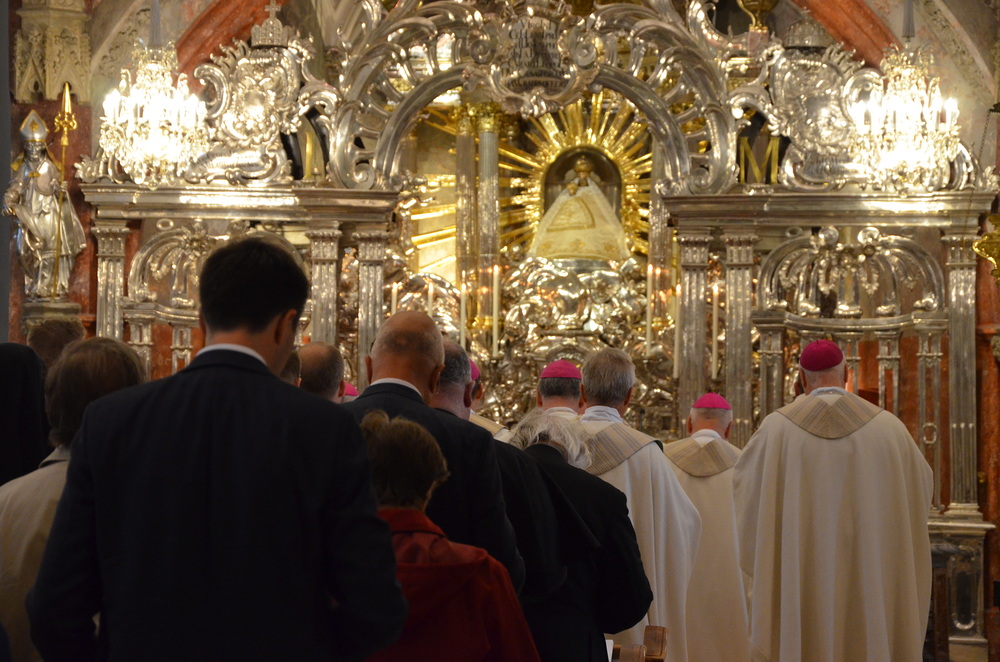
(580, 223)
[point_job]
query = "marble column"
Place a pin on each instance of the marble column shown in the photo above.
(694, 244)
(738, 323)
(111, 236)
(962, 375)
(371, 253)
(324, 252)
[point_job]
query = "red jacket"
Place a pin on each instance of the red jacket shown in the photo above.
(462, 604)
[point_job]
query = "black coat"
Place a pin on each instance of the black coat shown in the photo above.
(218, 514)
(469, 506)
(607, 589)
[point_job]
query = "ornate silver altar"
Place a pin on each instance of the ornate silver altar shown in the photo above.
(418, 172)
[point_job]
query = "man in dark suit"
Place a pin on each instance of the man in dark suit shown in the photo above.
(404, 365)
(529, 506)
(220, 514)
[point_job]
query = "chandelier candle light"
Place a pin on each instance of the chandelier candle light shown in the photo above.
(153, 126)
(906, 133)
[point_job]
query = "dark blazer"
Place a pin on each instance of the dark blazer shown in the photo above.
(607, 589)
(219, 514)
(469, 506)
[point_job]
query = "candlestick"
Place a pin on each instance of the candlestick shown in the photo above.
(677, 332)
(430, 298)
(394, 301)
(649, 311)
(496, 310)
(462, 316)
(715, 330)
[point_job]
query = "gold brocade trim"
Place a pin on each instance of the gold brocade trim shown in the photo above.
(702, 461)
(830, 421)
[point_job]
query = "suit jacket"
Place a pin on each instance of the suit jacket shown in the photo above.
(218, 514)
(607, 589)
(469, 506)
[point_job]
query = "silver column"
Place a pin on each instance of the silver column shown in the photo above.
(771, 326)
(465, 197)
(324, 254)
(371, 253)
(694, 272)
(488, 210)
(739, 350)
(111, 236)
(962, 373)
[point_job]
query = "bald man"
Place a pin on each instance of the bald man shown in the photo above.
(404, 366)
(322, 371)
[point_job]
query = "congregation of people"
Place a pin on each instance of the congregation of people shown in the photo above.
(255, 506)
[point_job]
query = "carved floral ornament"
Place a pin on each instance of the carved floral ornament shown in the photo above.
(532, 58)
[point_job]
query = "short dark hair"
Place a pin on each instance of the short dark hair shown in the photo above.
(559, 387)
(87, 370)
(247, 283)
(406, 460)
(323, 373)
(456, 365)
(51, 336)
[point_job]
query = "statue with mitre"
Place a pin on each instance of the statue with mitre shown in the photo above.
(49, 234)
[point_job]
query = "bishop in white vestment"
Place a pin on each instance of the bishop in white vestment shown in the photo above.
(716, 605)
(832, 498)
(666, 523)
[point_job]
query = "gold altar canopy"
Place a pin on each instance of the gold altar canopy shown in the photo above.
(546, 179)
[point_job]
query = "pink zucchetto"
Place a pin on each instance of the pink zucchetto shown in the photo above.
(821, 355)
(475, 370)
(561, 368)
(350, 389)
(711, 401)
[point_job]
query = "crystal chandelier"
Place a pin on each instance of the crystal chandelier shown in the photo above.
(906, 133)
(153, 127)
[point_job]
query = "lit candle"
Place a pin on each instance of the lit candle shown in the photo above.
(677, 332)
(430, 297)
(649, 311)
(462, 316)
(496, 310)
(715, 330)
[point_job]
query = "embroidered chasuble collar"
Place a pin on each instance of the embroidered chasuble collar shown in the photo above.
(702, 461)
(614, 444)
(830, 420)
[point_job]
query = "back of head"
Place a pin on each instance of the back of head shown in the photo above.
(457, 370)
(87, 370)
(711, 418)
(608, 375)
(406, 461)
(292, 370)
(51, 336)
(559, 387)
(247, 283)
(410, 340)
(541, 426)
(322, 369)
(22, 410)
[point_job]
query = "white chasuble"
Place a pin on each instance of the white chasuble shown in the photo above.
(716, 603)
(666, 523)
(832, 500)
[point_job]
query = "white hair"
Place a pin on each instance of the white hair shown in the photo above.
(542, 426)
(720, 417)
(830, 375)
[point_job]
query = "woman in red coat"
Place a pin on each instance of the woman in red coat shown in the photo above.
(462, 604)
